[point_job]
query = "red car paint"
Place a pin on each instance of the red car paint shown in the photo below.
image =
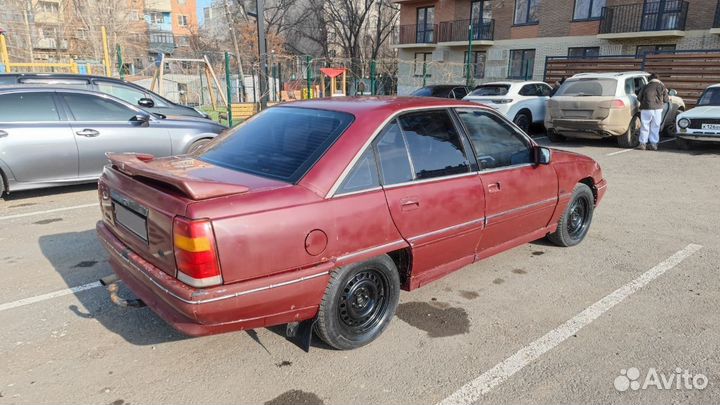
(277, 243)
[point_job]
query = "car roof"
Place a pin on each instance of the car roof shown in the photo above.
(609, 75)
(385, 104)
(713, 86)
(442, 86)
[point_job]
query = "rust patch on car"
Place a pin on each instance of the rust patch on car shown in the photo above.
(438, 319)
(469, 295)
(296, 397)
(47, 221)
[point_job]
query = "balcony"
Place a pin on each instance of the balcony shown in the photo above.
(716, 24)
(663, 18)
(456, 33)
(50, 43)
(417, 36)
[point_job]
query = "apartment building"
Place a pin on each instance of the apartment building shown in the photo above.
(512, 38)
(158, 16)
(184, 23)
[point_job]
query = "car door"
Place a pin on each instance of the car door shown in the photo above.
(520, 196)
(36, 141)
(102, 124)
(435, 197)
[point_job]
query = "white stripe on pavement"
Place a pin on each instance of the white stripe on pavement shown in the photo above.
(29, 214)
(630, 150)
(48, 296)
(490, 379)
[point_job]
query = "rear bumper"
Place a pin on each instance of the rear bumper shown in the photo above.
(268, 301)
(585, 127)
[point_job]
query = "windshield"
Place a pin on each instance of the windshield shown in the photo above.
(282, 143)
(422, 92)
(588, 87)
(711, 96)
(491, 90)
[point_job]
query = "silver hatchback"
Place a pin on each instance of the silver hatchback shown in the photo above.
(54, 136)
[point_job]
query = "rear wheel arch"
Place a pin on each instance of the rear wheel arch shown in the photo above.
(403, 262)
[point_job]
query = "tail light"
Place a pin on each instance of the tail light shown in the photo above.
(195, 252)
(617, 104)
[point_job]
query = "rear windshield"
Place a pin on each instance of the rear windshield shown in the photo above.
(282, 143)
(422, 92)
(710, 97)
(491, 90)
(588, 87)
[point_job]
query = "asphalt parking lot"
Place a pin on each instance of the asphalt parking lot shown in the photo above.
(538, 324)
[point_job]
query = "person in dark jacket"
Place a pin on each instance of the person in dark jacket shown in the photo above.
(652, 99)
(557, 85)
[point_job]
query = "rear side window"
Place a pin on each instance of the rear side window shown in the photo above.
(588, 87)
(434, 144)
(282, 143)
(28, 107)
(460, 92)
(85, 107)
(364, 176)
(393, 156)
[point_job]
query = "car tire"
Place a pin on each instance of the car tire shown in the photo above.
(523, 120)
(575, 221)
(359, 303)
(631, 137)
(195, 146)
(553, 136)
(683, 143)
(2, 186)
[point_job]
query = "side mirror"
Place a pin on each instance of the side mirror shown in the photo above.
(146, 103)
(543, 155)
(672, 93)
(143, 119)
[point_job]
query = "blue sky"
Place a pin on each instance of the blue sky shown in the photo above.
(201, 4)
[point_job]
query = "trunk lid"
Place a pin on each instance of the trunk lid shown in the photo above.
(140, 197)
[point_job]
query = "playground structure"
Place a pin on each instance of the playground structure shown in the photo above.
(333, 74)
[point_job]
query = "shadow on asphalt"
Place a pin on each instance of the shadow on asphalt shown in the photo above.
(45, 192)
(79, 259)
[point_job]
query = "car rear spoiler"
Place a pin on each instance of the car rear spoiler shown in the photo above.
(176, 172)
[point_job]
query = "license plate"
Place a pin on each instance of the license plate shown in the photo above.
(131, 221)
(711, 127)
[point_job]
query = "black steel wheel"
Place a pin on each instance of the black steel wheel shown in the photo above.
(575, 221)
(359, 303)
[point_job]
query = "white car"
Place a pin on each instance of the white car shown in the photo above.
(701, 123)
(524, 102)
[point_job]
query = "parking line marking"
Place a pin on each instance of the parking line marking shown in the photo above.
(630, 150)
(29, 214)
(48, 296)
(490, 379)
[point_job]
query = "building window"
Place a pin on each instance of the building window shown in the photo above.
(134, 15)
(584, 52)
(425, 25)
(157, 18)
(183, 41)
(81, 34)
(588, 9)
(526, 12)
(48, 7)
(182, 20)
(421, 60)
(522, 63)
(207, 11)
(48, 32)
(477, 65)
(643, 50)
(161, 38)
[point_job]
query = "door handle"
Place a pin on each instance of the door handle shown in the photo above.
(88, 133)
(410, 203)
(494, 187)
(3, 134)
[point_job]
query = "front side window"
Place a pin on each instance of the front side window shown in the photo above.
(434, 144)
(282, 143)
(588, 9)
(125, 93)
(425, 25)
(91, 108)
(496, 143)
(526, 11)
(28, 107)
(529, 90)
(364, 176)
(522, 64)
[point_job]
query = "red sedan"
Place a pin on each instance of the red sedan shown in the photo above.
(324, 210)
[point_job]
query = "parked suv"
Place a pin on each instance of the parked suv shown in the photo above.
(601, 105)
(124, 90)
(523, 102)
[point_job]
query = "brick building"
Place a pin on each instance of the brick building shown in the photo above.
(512, 38)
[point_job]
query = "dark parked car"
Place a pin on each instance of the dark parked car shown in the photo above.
(326, 209)
(56, 136)
(454, 91)
(124, 90)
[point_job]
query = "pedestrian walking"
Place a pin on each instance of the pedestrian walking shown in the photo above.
(652, 99)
